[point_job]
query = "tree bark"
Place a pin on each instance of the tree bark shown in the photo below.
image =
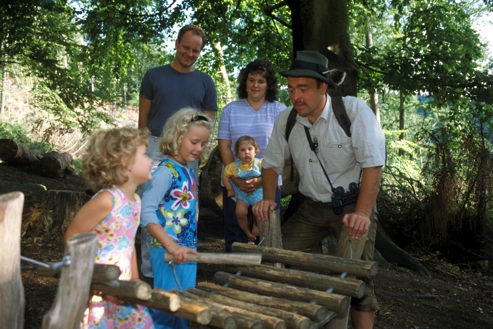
(54, 164)
(12, 299)
(13, 154)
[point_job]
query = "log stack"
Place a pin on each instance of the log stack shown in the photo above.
(307, 292)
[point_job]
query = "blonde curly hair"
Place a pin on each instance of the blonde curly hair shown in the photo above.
(177, 126)
(109, 152)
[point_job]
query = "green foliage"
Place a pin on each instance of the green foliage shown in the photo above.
(19, 133)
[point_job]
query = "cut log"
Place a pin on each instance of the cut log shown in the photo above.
(315, 262)
(333, 302)
(75, 280)
(160, 300)
(13, 154)
(12, 301)
(122, 289)
(292, 320)
(54, 164)
(210, 192)
(221, 258)
(348, 287)
(312, 311)
(267, 321)
(193, 310)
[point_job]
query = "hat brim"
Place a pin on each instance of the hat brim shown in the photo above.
(301, 73)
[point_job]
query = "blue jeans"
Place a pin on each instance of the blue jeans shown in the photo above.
(232, 231)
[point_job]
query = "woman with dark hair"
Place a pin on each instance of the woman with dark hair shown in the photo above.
(253, 114)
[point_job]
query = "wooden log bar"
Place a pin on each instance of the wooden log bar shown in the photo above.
(101, 273)
(223, 318)
(160, 300)
(121, 289)
(266, 321)
(193, 310)
(316, 262)
(312, 311)
(221, 258)
(333, 302)
(292, 320)
(12, 300)
(348, 287)
(75, 280)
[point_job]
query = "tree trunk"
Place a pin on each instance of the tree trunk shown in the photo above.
(14, 154)
(313, 22)
(54, 164)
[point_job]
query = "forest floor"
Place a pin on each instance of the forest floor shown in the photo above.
(451, 298)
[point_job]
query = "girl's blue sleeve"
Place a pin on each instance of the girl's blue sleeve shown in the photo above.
(154, 191)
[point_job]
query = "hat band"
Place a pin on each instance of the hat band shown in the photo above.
(301, 65)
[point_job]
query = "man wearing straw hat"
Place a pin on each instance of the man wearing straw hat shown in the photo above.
(339, 174)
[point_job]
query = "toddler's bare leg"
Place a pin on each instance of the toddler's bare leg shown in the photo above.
(242, 216)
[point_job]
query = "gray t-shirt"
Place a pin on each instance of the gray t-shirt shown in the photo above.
(170, 91)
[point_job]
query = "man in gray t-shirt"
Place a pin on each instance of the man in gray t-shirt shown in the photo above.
(167, 89)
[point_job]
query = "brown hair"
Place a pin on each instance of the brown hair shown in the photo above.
(108, 152)
(195, 29)
(247, 140)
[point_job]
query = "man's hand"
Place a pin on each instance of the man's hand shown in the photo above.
(262, 209)
(357, 224)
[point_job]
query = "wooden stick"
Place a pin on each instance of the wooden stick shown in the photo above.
(348, 287)
(75, 280)
(292, 320)
(221, 258)
(160, 300)
(193, 310)
(267, 321)
(312, 311)
(310, 261)
(119, 288)
(101, 273)
(12, 300)
(333, 302)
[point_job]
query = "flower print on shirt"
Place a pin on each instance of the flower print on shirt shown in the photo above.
(175, 220)
(182, 197)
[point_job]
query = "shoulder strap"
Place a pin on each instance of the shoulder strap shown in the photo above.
(290, 123)
(341, 114)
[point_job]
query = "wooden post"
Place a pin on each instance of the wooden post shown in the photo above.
(12, 300)
(270, 230)
(75, 281)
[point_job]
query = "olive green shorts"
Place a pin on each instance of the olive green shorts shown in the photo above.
(313, 222)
